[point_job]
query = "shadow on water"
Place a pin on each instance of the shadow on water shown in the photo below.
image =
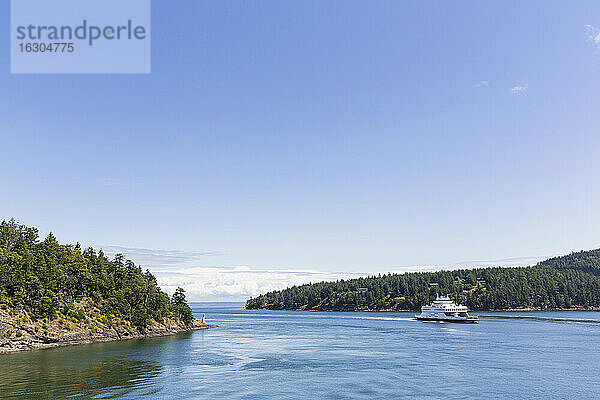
(101, 370)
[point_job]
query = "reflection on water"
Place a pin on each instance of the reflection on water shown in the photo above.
(103, 370)
(280, 354)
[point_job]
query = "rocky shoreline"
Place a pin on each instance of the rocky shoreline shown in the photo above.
(73, 339)
(19, 333)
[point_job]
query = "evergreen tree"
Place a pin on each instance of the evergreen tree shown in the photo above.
(180, 307)
(45, 277)
(560, 282)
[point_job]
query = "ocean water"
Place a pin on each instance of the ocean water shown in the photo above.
(257, 354)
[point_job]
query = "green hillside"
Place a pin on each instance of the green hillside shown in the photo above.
(47, 280)
(572, 281)
(586, 261)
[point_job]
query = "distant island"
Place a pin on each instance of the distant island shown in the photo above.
(569, 282)
(56, 295)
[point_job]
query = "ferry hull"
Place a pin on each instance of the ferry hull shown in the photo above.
(458, 321)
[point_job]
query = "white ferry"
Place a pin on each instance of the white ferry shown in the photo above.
(444, 309)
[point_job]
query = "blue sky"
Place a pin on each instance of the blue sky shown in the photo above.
(326, 136)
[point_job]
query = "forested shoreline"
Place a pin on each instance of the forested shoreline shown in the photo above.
(50, 292)
(568, 282)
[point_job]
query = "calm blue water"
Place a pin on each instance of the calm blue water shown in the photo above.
(289, 355)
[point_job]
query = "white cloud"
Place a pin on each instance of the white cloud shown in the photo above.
(518, 89)
(593, 35)
(482, 84)
(241, 283)
(177, 268)
(113, 182)
(188, 269)
(150, 258)
(238, 283)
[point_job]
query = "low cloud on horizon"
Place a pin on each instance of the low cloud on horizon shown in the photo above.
(177, 268)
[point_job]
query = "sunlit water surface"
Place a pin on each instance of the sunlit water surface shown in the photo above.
(281, 354)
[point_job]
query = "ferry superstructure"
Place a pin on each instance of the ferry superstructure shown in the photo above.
(444, 309)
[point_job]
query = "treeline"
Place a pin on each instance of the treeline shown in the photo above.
(565, 282)
(586, 261)
(45, 278)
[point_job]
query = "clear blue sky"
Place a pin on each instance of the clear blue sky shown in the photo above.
(330, 135)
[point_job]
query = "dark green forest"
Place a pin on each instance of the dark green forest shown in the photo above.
(45, 278)
(586, 261)
(571, 281)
